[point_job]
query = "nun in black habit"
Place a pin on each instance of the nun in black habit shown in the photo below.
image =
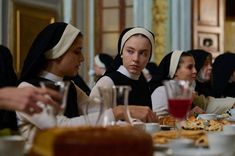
(57, 53)
(80, 82)
(7, 78)
(102, 62)
(135, 47)
(180, 65)
(203, 60)
(223, 75)
(150, 71)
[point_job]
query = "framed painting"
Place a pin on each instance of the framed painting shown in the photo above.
(28, 22)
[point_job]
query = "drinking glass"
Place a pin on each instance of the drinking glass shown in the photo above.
(179, 95)
(61, 87)
(93, 110)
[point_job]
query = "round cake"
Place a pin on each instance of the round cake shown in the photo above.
(90, 141)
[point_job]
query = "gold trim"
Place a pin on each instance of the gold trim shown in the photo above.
(160, 17)
(29, 21)
(18, 41)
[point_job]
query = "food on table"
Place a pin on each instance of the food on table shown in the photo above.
(89, 141)
(163, 137)
(193, 128)
(167, 120)
(193, 123)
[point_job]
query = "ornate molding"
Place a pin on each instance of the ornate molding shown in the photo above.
(160, 17)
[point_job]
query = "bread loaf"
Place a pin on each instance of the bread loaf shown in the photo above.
(90, 141)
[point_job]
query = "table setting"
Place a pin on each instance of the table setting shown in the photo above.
(193, 134)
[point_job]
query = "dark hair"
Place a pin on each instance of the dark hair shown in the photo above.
(223, 68)
(184, 54)
(152, 68)
(106, 59)
(200, 57)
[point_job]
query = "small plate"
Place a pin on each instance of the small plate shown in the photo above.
(231, 119)
(221, 117)
(160, 147)
(195, 152)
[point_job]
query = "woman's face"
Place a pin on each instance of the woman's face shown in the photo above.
(69, 63)
(186, 69)
(205, 71)
(232, 78)
(99, 71)
(136, 54)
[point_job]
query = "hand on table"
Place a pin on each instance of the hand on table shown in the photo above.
(142, 113)
(25, 99)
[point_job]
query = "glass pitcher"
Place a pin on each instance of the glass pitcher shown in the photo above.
(113, 96)
(121, 97)
(108, 96)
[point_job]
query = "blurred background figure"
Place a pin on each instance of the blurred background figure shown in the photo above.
(223, 75)
(7, 78)
(203, 65)
(101, 62)
(150, 71)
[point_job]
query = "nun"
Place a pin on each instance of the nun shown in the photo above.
(102, 61)
(7, 78)
(203, 60)
(177, 65)
(135, 47)
(57, 53)
(224, 75)
(21, 99)
(150, 71)
(81, 83)
(180, 65)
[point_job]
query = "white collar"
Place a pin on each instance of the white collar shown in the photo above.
(50, 76)
(125, 72)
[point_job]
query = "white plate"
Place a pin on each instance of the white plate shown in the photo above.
(161, 147)
(222, 116)
(231, 119)
(195, 152)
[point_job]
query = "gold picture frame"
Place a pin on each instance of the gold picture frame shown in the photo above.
(28, 22)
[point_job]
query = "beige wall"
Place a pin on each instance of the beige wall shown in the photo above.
(229, 35)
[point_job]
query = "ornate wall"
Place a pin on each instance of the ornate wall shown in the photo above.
(160, 18)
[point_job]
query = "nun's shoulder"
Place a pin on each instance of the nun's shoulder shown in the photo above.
(105, 81)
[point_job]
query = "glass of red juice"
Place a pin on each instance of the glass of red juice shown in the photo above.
(179, 95)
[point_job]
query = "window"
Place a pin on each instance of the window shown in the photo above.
(111, 17)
